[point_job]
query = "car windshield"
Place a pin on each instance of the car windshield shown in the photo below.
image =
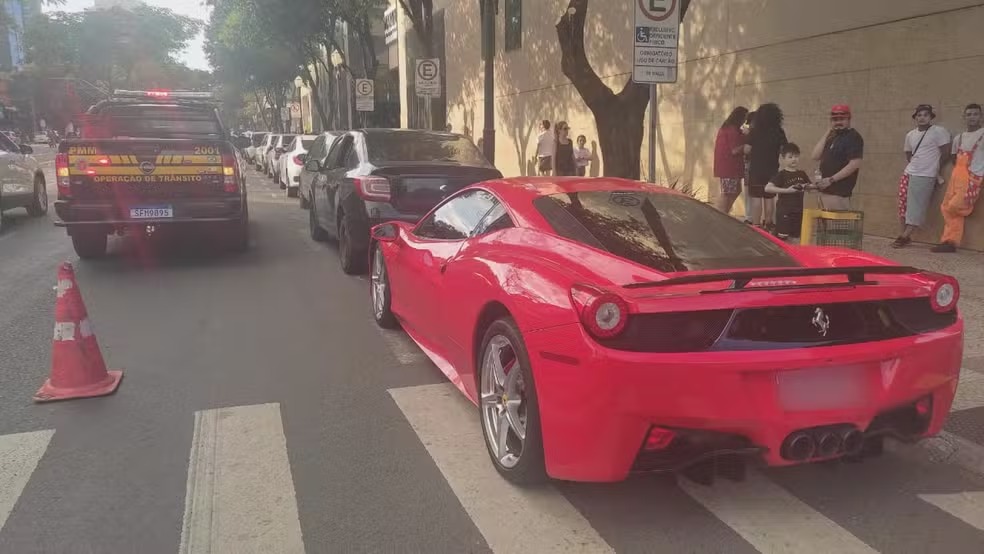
(666, 232)
(142, 121)
(421, 147)
(306, 144)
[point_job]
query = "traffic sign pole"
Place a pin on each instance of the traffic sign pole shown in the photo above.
(652, 133)
(656, 44)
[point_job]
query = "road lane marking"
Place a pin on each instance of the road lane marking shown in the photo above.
(240, 494)
(402, 346)
(965, 506)
(771, 519)
(510, 518)
(970, 391)
(19, 457)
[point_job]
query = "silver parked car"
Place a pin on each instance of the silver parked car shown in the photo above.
(21, 180)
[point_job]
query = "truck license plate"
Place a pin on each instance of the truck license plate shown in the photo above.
(152, 212)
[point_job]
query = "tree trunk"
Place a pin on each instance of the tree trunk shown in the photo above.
(312, 83)
(260, 107)
(619, 117)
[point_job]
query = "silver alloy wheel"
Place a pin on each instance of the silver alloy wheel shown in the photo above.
(503, 401)
(43, 197)
(378, 284)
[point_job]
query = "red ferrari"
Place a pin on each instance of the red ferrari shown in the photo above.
(605, 327)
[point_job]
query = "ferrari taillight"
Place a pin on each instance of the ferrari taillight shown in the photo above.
(603, 314)
(62, 177)
(945, 293)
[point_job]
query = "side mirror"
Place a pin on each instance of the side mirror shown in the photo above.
(25, 149)
(302, 157)
(387, 232)
(312, 166)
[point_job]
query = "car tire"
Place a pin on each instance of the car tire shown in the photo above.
(88, 244)
(237, 233)
(291, 192)
(504, 340)
(318, 234)
(39, 205)
(354, 262)
(379, 291)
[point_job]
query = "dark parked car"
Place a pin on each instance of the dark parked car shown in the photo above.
(377, 175)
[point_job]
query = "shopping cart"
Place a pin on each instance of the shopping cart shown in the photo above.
(826, 228)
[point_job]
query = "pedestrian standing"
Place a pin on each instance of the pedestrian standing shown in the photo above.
(788, 184)
(965, 180)
(544, 148)
(926, 147)
(729, 159)
(582, 155)
(746, 129)
(764, 142)
(840, 152)
(564, 164)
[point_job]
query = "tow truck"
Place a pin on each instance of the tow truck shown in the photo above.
(148, 162)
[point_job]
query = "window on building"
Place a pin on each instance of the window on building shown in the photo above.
(514, 25)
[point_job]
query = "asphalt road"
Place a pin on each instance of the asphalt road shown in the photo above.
(263, 411)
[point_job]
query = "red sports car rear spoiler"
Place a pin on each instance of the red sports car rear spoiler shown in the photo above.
(741, 279)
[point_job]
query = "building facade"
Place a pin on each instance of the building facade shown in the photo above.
(882, 58)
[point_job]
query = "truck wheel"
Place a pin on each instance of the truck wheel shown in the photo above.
(238, 234)
(39, 205)
(89, 245)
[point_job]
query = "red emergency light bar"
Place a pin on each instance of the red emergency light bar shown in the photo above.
(159, 93)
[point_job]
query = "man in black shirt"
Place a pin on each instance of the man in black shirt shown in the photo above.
(840, 153)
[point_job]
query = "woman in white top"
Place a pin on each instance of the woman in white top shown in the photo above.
(582, 156)
(926, 147)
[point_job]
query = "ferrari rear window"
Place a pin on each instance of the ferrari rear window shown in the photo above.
(666, 232)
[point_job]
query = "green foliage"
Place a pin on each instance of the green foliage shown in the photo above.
(116, 47)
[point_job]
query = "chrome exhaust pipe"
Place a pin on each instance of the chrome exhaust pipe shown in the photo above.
(828, 445)
(853, 441)
(798, 447)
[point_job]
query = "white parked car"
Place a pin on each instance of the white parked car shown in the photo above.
(279, 146)
(260, 154)
(256, 139)
(292, 161)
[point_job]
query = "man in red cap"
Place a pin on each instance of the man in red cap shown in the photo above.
(840, 152)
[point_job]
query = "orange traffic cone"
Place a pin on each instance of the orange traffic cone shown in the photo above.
(77, 366)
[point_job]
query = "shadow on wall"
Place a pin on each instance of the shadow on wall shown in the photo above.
(530, 85)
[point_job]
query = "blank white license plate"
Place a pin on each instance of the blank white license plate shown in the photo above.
(152, 212)
(822, 388)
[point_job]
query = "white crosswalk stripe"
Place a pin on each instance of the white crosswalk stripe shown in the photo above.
(771, 519)
(240, 496)
(511, 519)
(19, 456)
(966, 506)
